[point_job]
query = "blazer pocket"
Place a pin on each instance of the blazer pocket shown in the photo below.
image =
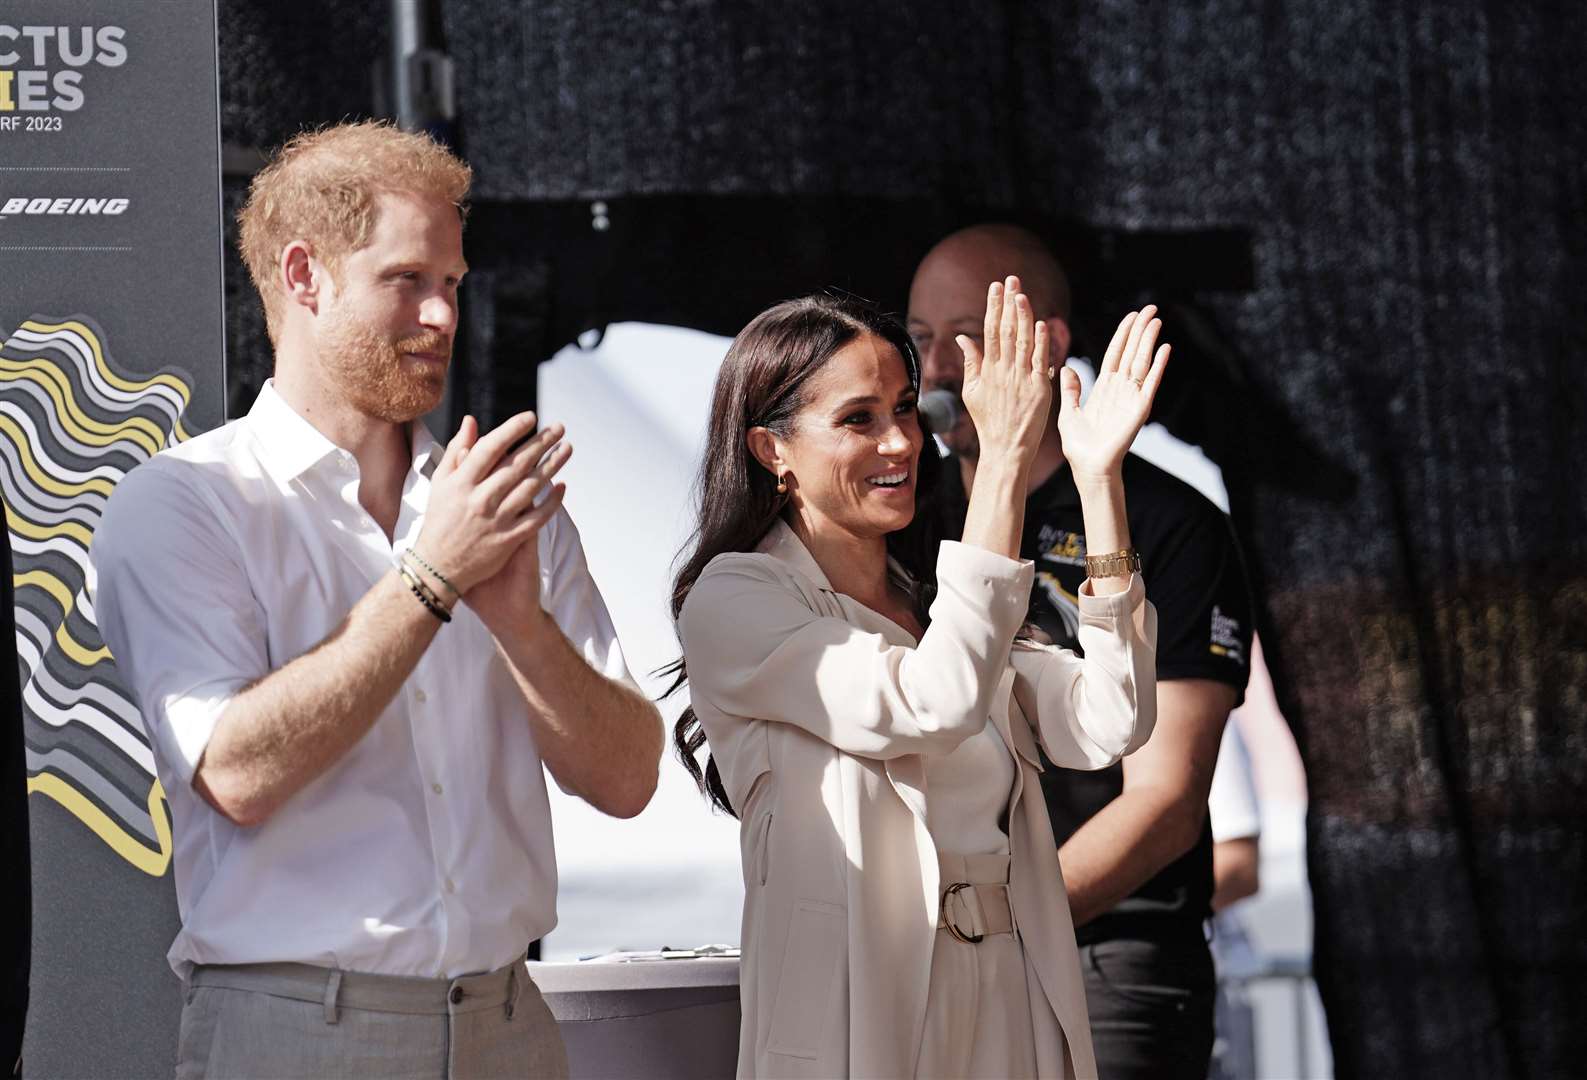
(817, 936)
(762, 861)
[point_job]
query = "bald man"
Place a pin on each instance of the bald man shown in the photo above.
(1133, 839)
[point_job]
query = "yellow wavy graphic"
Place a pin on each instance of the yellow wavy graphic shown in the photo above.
(97, 485)
(152, 861)
(66, 415)
(58, 589)
(23, 527)
(92, 339)
(84, 427)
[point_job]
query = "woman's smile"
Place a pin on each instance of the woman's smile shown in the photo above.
(896, 483)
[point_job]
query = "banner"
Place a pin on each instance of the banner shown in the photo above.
(111, 322)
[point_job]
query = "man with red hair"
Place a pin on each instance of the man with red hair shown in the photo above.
(354, 648)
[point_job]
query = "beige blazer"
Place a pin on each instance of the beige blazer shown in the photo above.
(819, 712)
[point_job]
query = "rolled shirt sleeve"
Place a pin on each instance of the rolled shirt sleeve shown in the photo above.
(569, 595)
(174, 606)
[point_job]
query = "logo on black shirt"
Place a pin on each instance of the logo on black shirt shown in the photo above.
(1061, 546)
(1059, 616)
(1226, 637)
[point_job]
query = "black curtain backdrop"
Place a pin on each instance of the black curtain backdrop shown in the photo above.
(1364, 219)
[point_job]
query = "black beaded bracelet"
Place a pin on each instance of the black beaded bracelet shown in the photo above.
(420, 589)
(431, 595)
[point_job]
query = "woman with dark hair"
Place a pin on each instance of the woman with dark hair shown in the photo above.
(872, 718)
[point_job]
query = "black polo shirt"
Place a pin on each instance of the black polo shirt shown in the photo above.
(1195, 577)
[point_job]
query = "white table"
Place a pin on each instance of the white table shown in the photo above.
(645, 1019)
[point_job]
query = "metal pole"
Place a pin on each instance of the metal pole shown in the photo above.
(423, 91)
(1301, 986)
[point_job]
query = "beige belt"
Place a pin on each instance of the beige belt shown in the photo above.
(974, 896)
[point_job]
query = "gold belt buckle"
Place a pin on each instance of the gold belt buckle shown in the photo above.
(947, 919)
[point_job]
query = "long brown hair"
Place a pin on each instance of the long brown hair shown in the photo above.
(762, 384)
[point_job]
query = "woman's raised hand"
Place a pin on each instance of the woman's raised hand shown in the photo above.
(1097, 436)
(1007, 390)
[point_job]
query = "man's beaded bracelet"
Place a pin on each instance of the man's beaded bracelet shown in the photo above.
(424, 563)
(426, 595)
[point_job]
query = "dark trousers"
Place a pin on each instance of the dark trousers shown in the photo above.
(1151, 1005)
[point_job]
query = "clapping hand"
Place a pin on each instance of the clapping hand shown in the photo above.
(1096, 437)
(1007, 388)
(488, 503)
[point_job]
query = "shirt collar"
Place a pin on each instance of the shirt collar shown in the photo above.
(290, 446)
(426, 451)
(784, 545)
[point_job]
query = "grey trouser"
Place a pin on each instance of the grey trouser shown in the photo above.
(294, 1020)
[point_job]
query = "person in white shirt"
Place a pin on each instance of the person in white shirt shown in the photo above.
(354, 648)
(1236, 820)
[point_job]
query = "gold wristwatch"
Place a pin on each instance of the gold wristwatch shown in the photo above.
(1114, 564)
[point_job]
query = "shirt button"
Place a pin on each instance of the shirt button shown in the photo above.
(436, 788)
(420, 696)
(451, 886)
(456, 996)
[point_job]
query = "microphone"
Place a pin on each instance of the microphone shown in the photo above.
(942, 410)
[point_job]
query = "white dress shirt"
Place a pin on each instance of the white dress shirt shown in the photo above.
(1231, 800)
(426, 850)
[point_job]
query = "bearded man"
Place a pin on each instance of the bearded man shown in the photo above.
(354, 649)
